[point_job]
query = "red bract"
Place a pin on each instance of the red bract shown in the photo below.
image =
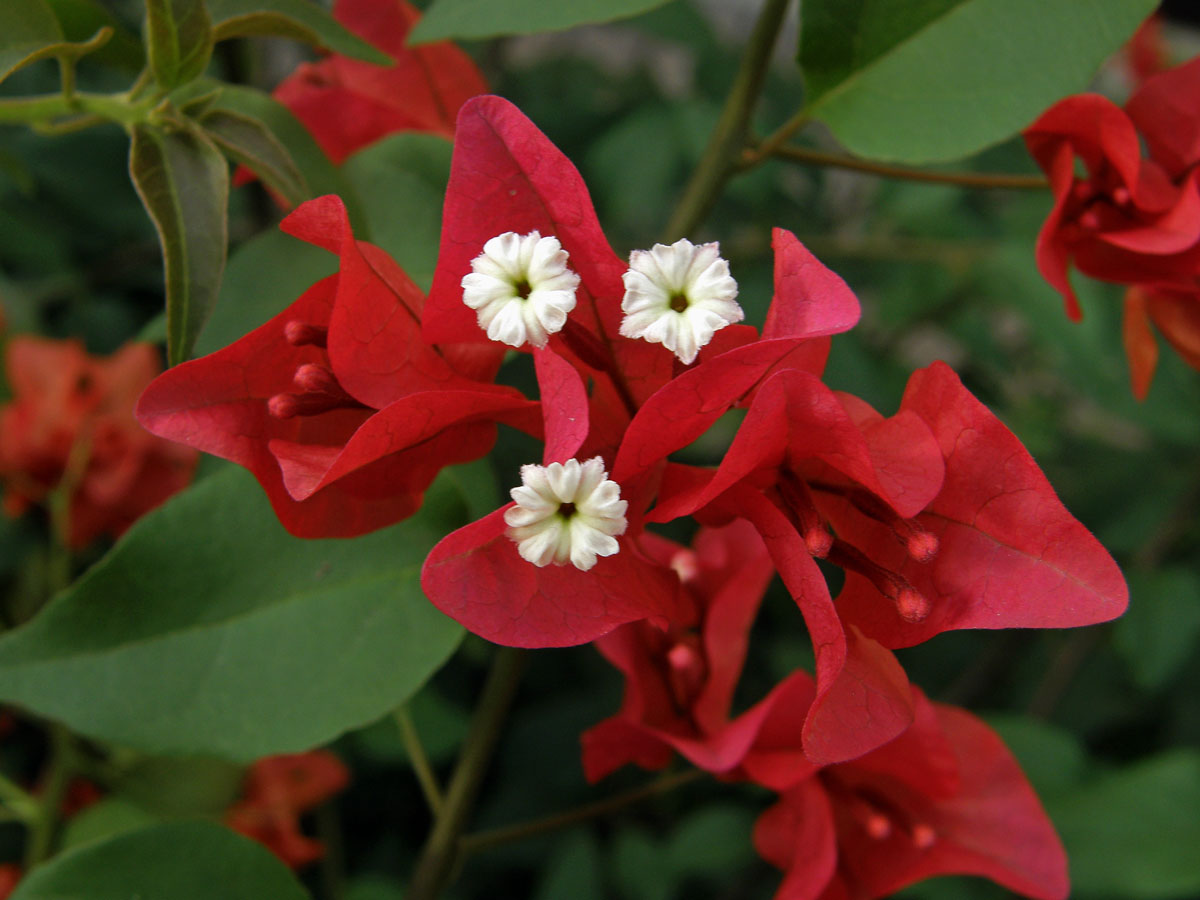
(1132, 220)
(508, 177)
(10, 875)
(70, 424)
(337, 405)
(1176, 315)
(277, 791)
(346, 103)
(680, 679)
(938, 515)
(946, 797)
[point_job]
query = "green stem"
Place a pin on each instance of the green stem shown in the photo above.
(18, 801)
(45, 109)
(729, 136)
(439, 857)
(494, 837)
(841, 161)
(44, 827)
(776, 140)
(420, 761)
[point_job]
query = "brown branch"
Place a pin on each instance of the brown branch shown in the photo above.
(981, 180)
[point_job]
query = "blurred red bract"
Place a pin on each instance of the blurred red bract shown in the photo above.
(346, 103)
(278, 790)
(10, 874)
(72, 416)
(1130, 219)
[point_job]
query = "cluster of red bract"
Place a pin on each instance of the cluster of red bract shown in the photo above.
(278, 790)
(70, 427)
(1131, 219)
(347, 403)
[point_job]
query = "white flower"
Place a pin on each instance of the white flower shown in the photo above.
(520, 288)
(566, 512)
(678, 296)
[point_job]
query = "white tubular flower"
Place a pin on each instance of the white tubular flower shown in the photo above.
(520, 288)
(566, 512)
(678, 296)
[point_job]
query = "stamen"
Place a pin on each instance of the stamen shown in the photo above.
(923, 836)
(910, 603)
(302, 334)
(799, 506)
(1120, 196)
(686, 670)
(319, 392)
(922, 545)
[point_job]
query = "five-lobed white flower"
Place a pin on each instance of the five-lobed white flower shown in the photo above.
(679, 296)
(566, 512)
(520, 288)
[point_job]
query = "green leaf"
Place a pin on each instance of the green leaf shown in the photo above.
(574, 870)
(182, 861)
(249, 141)
(179, 40)
(106, 819)
(1052, 758)
(475, 19)
(321, 176)
(264, 275)
(300, 20)
(927, 80)
(1126, 834)
(183, 181)
(208, 630)
(401, 181)
(1159, 632)
(29, 32)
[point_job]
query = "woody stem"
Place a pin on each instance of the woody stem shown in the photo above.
(729, 136)
(420, 761)
(812, 157)
(436, 864)
(494, 837)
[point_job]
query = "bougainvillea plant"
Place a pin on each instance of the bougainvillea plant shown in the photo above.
(454, 452)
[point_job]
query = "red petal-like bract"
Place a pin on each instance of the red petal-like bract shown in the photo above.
(405, 409)
(475, 576)
(347, 104)
(680, 680)
(946, 797)
(507, 176)
(1010, 555)
(1133, 220)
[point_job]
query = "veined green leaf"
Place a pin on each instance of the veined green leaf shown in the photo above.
(29, 32)
(928, 80)
(467, 19)
(249, 141)
(183, 181)
(300, 20)
(210, 630)
(179, 40)
(321, 176)
(183, 861)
